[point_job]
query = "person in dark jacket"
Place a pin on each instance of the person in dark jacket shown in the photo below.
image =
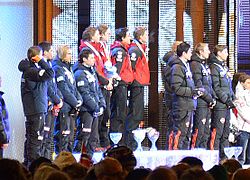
(202, 79)
(35, 75)
(139, 60)
(120, 58)
(54, 104)
(93, 102)
(169, 58)
(72, 100)
(221, 80)
(4, 124)
(184, 97)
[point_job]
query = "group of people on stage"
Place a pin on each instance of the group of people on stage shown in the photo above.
(56, 95)
(199, 96)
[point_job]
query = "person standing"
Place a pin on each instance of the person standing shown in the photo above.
(138, 52)
(184, 98)
(221, 83)
(54, 104)
(93, 102)
(202, 79)
(4, 124)
(35, 75)
(120, 58)
(72, 100)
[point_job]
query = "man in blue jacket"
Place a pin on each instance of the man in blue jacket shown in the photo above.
(36, 73)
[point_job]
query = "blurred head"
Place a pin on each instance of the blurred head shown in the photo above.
(122, 35)
(91, 34)
(202, 50)
(196, 174)
(64, 53)
(245, 81)
(105, 32)
(34, 51)
(64, 159)
(218, 172)
(161, 173)
(47, 49)
(180, 168)
(11, 169)
(220, 51)
(192, 161)
(241, 174)
(174, 46)
(184, 51)
(75, 171)
(138, 174)
(141, 34)
(87, 57)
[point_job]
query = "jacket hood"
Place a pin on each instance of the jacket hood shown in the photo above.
(195, 57)
(119, 44)
(213, 59)
(59, 62)
(24, 65)
(77, 66)
(176, 61)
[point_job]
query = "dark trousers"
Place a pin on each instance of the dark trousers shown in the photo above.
(48, 135)
(182, 126)
(103, 119)
(135, 114)
(243, 140)
(220, 131)
(201, 131)
(118, 110)
(87, 133)
(169, 128)
(34, 136)
(62, 132)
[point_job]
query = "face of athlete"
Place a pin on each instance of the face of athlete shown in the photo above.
(246, 84)
(68, 56)
(205, 52)
(106, 35)
(48, 54)
(90, 61)
(127, 38)
(144, 37)
(187, 55)
(223, 54)
(96, 37)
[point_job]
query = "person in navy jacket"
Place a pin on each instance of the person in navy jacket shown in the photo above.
(35, 74)
(93, 102)
(72, 100)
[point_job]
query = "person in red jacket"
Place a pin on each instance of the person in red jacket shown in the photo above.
(139, 60)
(120, 58)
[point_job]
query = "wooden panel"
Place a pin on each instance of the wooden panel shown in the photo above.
(120, 13)
(180, 7)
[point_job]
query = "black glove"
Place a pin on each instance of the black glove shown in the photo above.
(230, 104)
(197, 92)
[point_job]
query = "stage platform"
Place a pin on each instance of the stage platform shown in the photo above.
(153, 159)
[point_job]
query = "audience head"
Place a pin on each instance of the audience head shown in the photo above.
(122, 34)
(220, 51)
(109, 168)
(75, 171)
(231, 165)
(184, 51)
(57, 175)
(235, 80)
(124, 155)
(64, 159)
(42, 172)
(241, 174)
(218, 172)
(36, 163)
(202, 50)
(138, 174)
(180, 168)
(245, 81)
(196, 174)
(192, 161)
(162, 173)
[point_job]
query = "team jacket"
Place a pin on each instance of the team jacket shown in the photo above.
(66, 84)
(99, 63)
(221, 83)
(202, 79)
(139, 62)
(120, 58)
(4, 122)
(88, 87)
(34, 86)
(182, 86)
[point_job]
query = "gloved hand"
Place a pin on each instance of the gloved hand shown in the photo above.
(36, 58)
(99, 113)
(197, 92)
(212, 104)
(230, 104)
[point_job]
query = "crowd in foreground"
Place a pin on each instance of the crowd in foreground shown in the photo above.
(119, 163)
